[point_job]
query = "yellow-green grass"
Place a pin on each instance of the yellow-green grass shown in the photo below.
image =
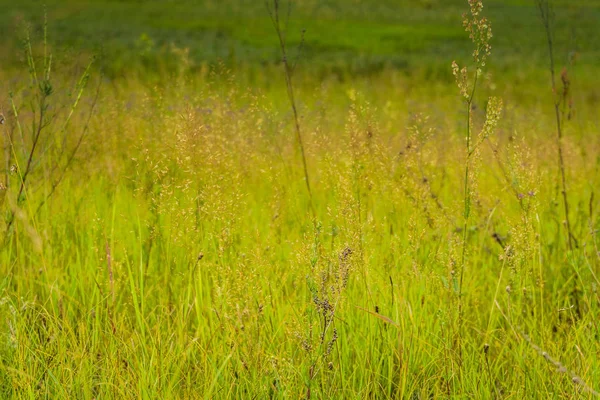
(191, 196)
(178, 257)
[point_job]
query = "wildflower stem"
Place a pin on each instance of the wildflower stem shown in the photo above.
(467, 204)
(545, 14)
(544, 9)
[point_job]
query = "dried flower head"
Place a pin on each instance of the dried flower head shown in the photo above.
(493, 111)
(461, 79)
(480, 32)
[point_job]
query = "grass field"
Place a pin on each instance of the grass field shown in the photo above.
(357, 36)
(165, 233)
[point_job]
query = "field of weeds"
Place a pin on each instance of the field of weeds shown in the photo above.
(348, 223)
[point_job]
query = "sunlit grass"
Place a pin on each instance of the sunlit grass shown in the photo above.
(179, 257)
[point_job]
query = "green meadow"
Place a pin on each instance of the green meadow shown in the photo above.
(190, 209)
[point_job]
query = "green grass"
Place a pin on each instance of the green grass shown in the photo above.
(178, 257)
(360, 35)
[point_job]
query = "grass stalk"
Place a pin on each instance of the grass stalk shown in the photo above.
(546, 16)
(274, 13)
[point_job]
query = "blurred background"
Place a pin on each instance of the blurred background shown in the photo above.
(342, 37)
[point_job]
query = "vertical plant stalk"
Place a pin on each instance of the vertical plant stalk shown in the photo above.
(42, 131)
(8, 138)
(45, 90)
(480, 33)
(289, 71)
(544, 9)
(274, 14)
(81, 85)
(466, 199)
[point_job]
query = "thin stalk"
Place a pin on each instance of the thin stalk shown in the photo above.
(467, 209)
(545, 14)
(8, 139)
(544, 8)
(289, 70)
(25, 173)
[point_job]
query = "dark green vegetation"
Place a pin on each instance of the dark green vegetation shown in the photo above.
(360, 36)
(157, 238)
